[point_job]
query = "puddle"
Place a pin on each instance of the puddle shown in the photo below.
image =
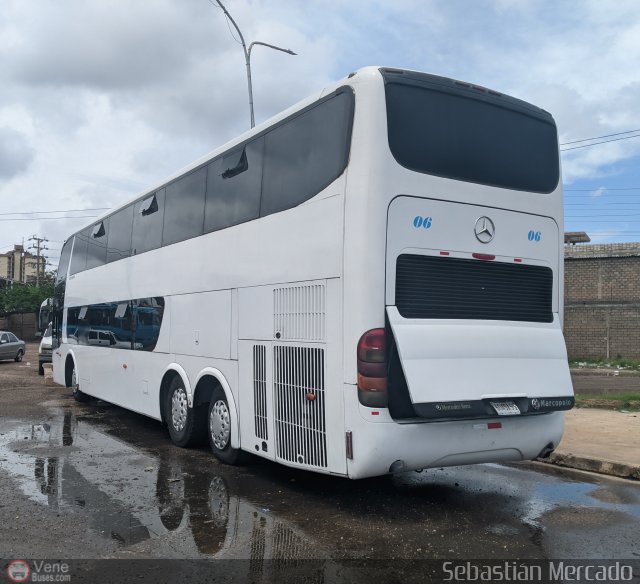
(135, 489)
(130, 496)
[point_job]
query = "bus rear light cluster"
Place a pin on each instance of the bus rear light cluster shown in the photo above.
(372, 368)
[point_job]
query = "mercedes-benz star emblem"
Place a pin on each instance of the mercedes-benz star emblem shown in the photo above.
(484, 230)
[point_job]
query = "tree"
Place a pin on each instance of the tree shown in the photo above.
(24, 297)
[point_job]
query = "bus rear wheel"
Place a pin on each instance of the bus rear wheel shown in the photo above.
(219, 426)
(186, 425)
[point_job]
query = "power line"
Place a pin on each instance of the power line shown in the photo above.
(50, 212)
(597, 143)
(604, 188)
(600, 137)
(48, 218)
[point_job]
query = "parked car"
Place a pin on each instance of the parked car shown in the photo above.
(46, 348)
(104, 338)
(11, 347)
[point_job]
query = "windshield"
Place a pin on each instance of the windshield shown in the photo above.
(441, 127)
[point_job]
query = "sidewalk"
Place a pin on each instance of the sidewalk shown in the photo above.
(603, 441)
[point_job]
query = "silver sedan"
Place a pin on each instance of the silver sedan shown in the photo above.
(11, 347)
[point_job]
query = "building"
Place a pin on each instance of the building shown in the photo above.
(19, 265)
(602, 301)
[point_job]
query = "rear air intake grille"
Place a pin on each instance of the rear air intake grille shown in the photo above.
(299, 313)
(260, 391)
(299, 402)
(455, 288)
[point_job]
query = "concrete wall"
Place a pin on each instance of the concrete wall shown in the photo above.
(22, 325)
(602, 301)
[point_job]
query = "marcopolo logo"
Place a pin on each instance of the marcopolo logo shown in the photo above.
(424, 222)
(18, 571)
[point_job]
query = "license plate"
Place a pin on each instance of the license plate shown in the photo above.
(507, 408)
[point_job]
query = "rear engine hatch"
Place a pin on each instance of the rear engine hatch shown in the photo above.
(472, 300)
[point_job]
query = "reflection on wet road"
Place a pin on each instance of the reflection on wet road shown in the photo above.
(136, 489)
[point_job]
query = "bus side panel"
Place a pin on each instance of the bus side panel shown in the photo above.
(201, 324)
(290, 374)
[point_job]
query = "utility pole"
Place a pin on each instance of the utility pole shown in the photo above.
(39, 247)
(247, 56)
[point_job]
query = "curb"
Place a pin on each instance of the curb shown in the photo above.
(606, 467)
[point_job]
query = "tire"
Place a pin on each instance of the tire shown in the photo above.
(75, 388)
(219, 426)
(18, 357)
(186, 425)
(40, 369)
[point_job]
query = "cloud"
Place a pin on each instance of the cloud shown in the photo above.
(599, 192)
(16, 154)
(104, 98)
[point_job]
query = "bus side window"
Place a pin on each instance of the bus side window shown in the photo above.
(79, 256)
(119, 236)
(184, 207)
(233, 194)
(97, 245)
(147, 226)
(306, 154)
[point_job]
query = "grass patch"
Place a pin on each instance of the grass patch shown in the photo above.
(628, 364)
(615, 401)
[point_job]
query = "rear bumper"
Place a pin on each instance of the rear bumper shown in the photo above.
(381, 445)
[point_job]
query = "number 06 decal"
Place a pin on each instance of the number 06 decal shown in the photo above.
(534, 235)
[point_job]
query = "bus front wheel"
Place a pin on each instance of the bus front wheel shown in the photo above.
(185, 424)
(75, 388)
(219, 425)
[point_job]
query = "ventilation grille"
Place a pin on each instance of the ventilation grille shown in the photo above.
(260, 391)
(456, 288)
(299, 313)
(299, 403)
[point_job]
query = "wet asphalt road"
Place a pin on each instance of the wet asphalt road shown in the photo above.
(96, 481)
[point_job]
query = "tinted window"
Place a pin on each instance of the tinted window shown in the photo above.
(63, 265)
(120, 325)
(148, 313)
(236, 198)
(5, 338)
(79, 257)
(306, 154)
(184, 207)
(119, 236)
(13, 338)
(97, 245)
(473, 139)
(148, 216)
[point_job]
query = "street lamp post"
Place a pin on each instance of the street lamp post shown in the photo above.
(247, 57)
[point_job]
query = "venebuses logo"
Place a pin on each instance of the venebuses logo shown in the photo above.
(18, 571)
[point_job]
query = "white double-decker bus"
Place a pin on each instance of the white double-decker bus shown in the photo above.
(369, 282)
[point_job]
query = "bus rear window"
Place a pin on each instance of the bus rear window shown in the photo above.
(478, 139)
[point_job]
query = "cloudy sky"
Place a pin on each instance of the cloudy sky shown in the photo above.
(102, 98)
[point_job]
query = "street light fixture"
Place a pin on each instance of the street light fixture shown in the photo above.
(247, 56)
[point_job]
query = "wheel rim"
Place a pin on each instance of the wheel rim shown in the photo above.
(19, 356)
(219, 424)
(179, 409)
(74, 380)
